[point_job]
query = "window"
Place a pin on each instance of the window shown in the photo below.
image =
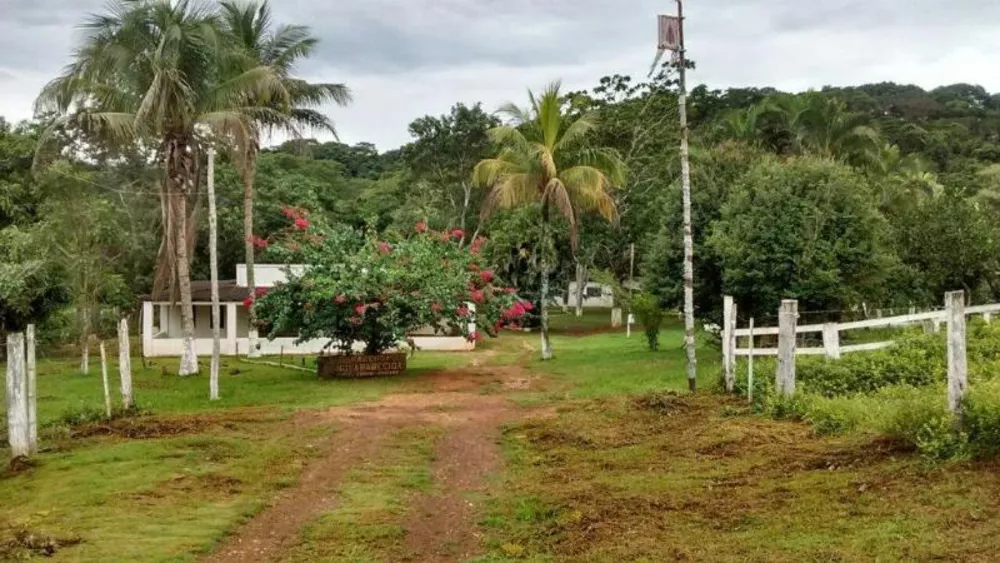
(594, 292)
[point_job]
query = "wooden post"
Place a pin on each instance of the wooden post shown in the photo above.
(987, 318)
(32, 373)
(729, 341)
(104, 377)
(17, 391)
(957, 360)
(831, 340)
(785, 374)
(750, 364)
(213, 236)
(125, 365)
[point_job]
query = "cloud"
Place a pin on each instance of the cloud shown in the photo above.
(407, 58)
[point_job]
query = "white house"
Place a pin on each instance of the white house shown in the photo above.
(595, 295)
(162, 332)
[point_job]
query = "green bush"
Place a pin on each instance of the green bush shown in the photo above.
(916, 359)
(650, 314)
(982, 418)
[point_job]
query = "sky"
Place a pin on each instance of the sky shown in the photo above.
(404, 59)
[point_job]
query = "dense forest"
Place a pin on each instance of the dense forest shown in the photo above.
(883, 194)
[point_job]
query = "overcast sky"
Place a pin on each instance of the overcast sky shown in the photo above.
(407, 58)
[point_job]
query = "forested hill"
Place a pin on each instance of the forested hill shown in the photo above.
(922, 158)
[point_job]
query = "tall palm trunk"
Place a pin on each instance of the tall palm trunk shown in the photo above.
(249, 172)
(544, 304)
(178, 175)
(83, 321)
(689, 340)
(581, 283)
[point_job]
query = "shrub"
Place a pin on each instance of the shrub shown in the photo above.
(362, 289)
(982, 418)
(916, 359)
(650, 314)
(920, 417)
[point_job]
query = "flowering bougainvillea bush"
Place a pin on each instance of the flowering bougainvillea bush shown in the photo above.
(360, 288)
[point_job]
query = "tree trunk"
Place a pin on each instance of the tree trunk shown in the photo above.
(689, 341)
(83, 321)
(213, 235)
(581, 282)
(544, 304)
(249, 173)
(178, 172)
(125, 365)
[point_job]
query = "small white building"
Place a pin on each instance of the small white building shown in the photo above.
(595, 295)
(162, 332)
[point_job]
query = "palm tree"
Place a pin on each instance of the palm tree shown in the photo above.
(158, 73)
(544, 158)
(250, 29)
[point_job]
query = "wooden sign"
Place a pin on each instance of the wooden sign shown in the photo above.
(360, 366)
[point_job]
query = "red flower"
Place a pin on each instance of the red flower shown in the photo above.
(301, 224)
(261, 291)
(510, 290)
(340, 299)
(527, 305)
(384, 247)
(436, 307)
(258, 242)
(477, 245)
(486, 275)
(462, 311)
(474, 336)
(476, 296)
(421, 227)
(289, 212)
(360, 308)
(458, 233)
(445, 237)
(248, 302)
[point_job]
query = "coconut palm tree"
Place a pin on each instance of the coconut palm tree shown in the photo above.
(250, 29)
(158, 73)
(544, 159)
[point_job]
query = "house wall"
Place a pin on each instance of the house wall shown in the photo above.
(605, 301)
(267, 275)
(237, 342)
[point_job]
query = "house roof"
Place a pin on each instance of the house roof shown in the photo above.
(201, 292)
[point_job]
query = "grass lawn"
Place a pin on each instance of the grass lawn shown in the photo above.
(629, 467)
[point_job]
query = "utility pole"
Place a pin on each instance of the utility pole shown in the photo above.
(671, 38)
(213, 238)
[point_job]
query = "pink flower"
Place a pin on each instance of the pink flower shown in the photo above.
(458, 233)
(476, 296)
(477, 245)
(289, 212)
(301, 224)
(261, 291)
(474, 336)
(421, 227)
(360, 308)
(462, 311)
(445, 237)
(384, 247)
(340, 299)
(258, 242)
(527, 305)
(510, 290)
(436, 307)
(248, 302)
(486, 275)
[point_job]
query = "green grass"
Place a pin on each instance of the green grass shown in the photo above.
(63, 390)
(154, 500)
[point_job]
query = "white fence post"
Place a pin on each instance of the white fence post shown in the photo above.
(750, 364)
(988, 317)
(104, 378)
(957, 360)
(125, 365)
(32, 374)
(17, 391)
(785, 374)
(831, 340)
(729, 341)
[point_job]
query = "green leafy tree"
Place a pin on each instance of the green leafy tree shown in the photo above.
(159, 72)
(805, 229)
(544, 158)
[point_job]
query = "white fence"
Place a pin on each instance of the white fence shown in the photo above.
(953, 315)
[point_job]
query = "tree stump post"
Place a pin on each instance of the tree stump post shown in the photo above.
(957, 359)
(785, 374)
(17, 394)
